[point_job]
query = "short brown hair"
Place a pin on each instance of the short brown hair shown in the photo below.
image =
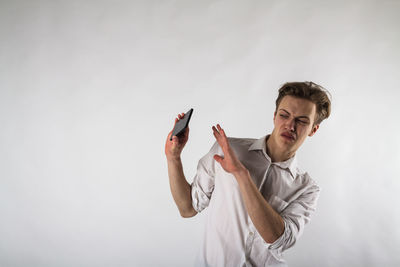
(310, 91)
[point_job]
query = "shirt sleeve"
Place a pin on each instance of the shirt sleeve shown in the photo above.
(295, 216)
(204, 180)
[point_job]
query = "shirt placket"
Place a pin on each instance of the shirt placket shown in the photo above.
(265, 176)
(249, 245)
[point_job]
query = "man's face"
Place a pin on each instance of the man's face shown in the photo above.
(294, 121)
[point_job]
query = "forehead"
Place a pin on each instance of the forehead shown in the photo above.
(298, 106)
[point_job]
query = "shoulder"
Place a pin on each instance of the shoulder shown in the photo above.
(239, 145)
(241, 142)
(304, 178)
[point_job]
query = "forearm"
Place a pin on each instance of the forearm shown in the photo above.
(180, 188)
(267, 221)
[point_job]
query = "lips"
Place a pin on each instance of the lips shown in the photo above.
(288, 136)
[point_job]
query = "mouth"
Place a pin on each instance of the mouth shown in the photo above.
(288, 136)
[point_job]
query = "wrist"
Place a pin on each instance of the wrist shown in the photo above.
(173, 159)
(242, 173)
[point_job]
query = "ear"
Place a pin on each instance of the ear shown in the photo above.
(274, 116)
(314, 130)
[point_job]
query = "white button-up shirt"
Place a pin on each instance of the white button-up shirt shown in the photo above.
(230, 237)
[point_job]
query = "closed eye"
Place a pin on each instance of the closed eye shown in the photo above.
(302, 122)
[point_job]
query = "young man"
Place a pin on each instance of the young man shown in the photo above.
(258, 199)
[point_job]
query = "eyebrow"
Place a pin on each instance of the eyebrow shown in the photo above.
(299, 117)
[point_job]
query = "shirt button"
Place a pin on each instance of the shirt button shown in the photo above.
(251, 233)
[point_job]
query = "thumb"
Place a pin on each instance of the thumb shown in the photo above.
(218, 158)
(175, 140)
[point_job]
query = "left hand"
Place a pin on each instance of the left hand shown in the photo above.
(230, 163)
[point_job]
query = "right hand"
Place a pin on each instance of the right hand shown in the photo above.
(173, 149)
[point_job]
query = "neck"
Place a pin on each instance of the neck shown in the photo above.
(276, 153)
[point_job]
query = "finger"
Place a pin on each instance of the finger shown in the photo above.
(169, 137)
(221, 130)
(216, 134)
(186, 132)
(221, 134)
(175, 140)
(215, 130)
(219, 140)
(218, 158)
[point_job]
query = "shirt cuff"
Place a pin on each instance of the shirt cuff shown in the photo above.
(278, 244)
(199, 199)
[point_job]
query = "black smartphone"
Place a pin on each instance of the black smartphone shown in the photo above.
(181, 125)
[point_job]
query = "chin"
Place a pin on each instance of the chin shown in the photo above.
(289, 143)
(286, 145)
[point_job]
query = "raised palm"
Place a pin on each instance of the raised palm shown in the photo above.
(229, 162)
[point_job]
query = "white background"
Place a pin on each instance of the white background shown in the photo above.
(89, 91)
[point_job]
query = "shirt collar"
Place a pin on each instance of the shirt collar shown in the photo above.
(290, 164)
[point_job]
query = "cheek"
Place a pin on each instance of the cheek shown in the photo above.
(278, 121)
(304, 131)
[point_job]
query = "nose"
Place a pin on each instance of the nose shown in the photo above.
(291, 125)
